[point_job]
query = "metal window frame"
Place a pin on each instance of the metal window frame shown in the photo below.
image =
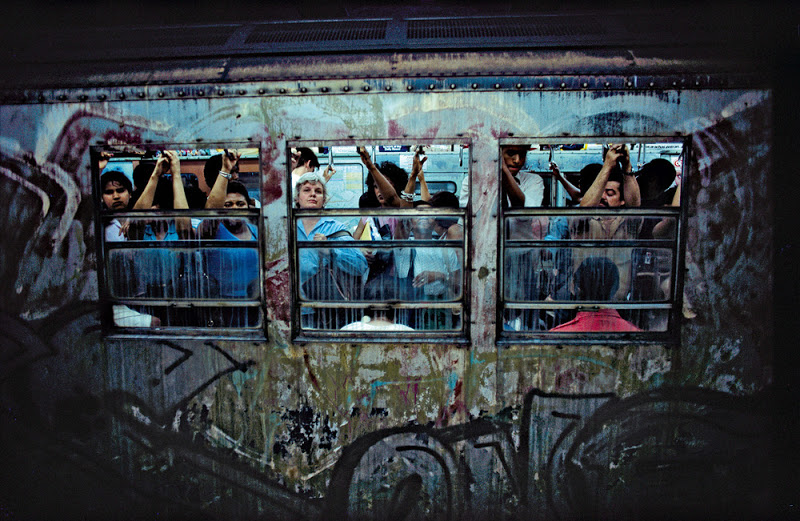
(107, 300)
(668, 338)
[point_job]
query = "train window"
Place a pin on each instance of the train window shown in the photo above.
(179, 232)
(590, 239)
(379, 240)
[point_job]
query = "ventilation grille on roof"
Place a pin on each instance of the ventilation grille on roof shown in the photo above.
(319, 32)
(511, 27)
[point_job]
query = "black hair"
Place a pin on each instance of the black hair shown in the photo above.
(195, 197)
(164, 195)
(381, 291)
(444, 199)
(212, 167)
(306, 154)
(597, 278)
(396, 175)
(142, 173)
(115, 175)
(587, 176)
(654, 179)
(617, 175)
(235, 187)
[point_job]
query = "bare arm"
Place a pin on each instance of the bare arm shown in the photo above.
(516, 197)
(183, 225)
(594, 194)
(630, 186)
(145, 201)
(216, 197)
(416, 172)
(572, 190)
(387, 190)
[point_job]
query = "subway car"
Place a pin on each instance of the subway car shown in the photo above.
(496, 266)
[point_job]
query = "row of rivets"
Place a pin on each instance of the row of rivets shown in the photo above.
(629, 83)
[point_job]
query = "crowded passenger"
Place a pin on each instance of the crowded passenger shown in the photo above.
(318, 280)
(596, 279)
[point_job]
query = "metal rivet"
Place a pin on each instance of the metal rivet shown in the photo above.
(62, 97)
(652, 84)
(366, 88)
(431, 86)
(496, 85)
(83, 97)
(346, 88)
(585, 84)
(324, 89)
(674, 83)
(630, 84)
(282, 90)
(452, 86)
(142, 94)
(541, 85)
(161, 94)
(563, 85)
(409, 87)
(121, 95)
(220, 92)
(303, 89)
(181, 94)
(510, 134)
(518, 85)
(388, 88)
(697, 83)
(242, 92)
(41, 97)
(607, 84)
(199, 140)
(261, 91)
(474, 85)
(201, 93)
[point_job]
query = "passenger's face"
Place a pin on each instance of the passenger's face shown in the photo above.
(378, 195)
(311, 195)
(115, 196)
(235, 201)
(612, 197)
(422, 227)
(514, 157)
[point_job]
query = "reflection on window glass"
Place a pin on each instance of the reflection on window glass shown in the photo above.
(378, 283)
(606, 265)
(172, 266)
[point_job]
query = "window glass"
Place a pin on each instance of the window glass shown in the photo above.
(179, 230)
(590, 237)
(379, 247)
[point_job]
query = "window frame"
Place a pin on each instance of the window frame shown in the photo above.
(458, 336)
(107, 300)
(673, 302)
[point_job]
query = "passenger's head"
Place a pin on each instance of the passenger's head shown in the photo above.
(304, 160)
(654, 179)
(587, 176)
(612, 193)
(163, 198)
(444, 199)
(237, 197)
(115, 190)
(142, 173)
(514, 157)
(422, 226)
(310, 191)
(396, 175)
(597, 278)
(381, 297)
(212, 167)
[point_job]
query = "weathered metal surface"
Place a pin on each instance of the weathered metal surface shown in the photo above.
(245, 428)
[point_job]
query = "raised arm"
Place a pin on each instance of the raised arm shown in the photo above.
(145, 201)
(417, 173)
(572, 190)
(630, 186)
(183, 225)
(594, 194)
(216, 197)
(390, 195)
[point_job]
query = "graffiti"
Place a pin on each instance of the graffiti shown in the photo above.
(673, 453)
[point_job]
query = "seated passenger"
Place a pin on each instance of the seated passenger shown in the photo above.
(425, 273)
(379, 316)
(318, 280)
(596, 279)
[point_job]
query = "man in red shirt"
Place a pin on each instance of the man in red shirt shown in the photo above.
(596, 279)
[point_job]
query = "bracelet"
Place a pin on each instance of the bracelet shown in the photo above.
(223, 174)
(406, 196)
